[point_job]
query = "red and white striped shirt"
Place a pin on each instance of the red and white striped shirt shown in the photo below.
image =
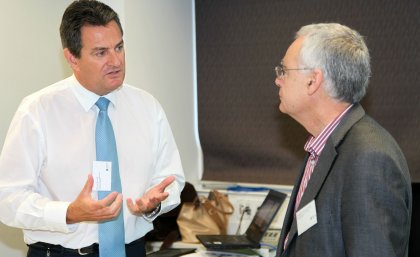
(314, 146)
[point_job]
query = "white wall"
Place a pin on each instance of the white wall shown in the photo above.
(159, 36)
(160, 59)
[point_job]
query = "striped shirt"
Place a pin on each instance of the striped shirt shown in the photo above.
(314, 146)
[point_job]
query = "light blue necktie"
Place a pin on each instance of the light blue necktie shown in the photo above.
(111, 233)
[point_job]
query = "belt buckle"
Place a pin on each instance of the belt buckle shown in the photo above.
(80, 252)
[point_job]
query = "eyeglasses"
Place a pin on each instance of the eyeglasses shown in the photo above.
(281, 70)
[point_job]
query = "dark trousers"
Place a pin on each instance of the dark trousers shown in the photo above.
(134, 249)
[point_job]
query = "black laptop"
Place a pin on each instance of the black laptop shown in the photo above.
(256, 230)
(171, 252)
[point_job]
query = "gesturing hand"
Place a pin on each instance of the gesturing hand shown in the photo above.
(85, 208)
(151, 199)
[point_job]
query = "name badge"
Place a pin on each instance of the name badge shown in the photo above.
(101, 173)
(306, 217)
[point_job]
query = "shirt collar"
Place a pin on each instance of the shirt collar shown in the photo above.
(314, 145)
(87, 98)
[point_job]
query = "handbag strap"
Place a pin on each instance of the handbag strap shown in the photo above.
(222, 201)
(211, 210)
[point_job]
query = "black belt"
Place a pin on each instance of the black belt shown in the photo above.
(94, 248)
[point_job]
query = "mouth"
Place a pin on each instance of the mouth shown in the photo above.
(113, 72)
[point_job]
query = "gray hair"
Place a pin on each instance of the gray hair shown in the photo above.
(341, 54)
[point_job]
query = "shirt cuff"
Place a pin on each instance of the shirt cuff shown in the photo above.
(55, 217)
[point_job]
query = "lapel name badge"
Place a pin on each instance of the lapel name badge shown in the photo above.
(306, 217)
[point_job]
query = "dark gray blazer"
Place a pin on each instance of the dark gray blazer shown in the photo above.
(362, 191)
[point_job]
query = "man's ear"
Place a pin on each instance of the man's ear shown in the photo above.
(315, 80)
(71, 59)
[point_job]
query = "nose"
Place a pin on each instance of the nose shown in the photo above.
(278, 81)
(115, 59)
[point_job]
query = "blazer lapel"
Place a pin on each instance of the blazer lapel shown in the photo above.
(289, 217)
(318, 176)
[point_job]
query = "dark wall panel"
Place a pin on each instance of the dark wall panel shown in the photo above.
(244, 137)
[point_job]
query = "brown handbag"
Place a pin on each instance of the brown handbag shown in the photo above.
(204, 216)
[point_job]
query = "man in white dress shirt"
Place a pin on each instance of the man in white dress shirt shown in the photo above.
(46, 183)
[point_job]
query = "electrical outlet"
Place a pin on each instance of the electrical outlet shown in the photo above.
(245, 207)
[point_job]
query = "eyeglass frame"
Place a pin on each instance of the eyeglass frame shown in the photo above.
(281, 70)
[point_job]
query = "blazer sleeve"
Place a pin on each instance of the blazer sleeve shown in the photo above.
(376, 206)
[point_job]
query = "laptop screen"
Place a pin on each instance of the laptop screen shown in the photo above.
(265, 215)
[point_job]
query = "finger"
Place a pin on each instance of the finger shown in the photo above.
(134, 208)
(149, 205)
(111, 211)
(130, 205)
(166, 182)
(141, 204)
(108, 200)
(156, 199)
(116, 205)
(87, 188)
(163, 196)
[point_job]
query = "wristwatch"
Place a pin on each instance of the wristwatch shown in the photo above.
(153, 213)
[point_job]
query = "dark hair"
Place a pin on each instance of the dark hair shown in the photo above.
(81, 13)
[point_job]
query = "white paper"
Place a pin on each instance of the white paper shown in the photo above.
(306, 217)
(101, 172)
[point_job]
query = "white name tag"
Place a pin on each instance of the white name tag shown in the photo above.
(306, 217)
(101, 173)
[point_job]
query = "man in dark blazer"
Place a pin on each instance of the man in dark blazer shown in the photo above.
(353, 197)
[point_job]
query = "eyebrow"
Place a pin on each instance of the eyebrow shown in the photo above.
(105, 48)
(120, 43)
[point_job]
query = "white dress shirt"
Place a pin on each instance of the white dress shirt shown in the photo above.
(50, 149)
